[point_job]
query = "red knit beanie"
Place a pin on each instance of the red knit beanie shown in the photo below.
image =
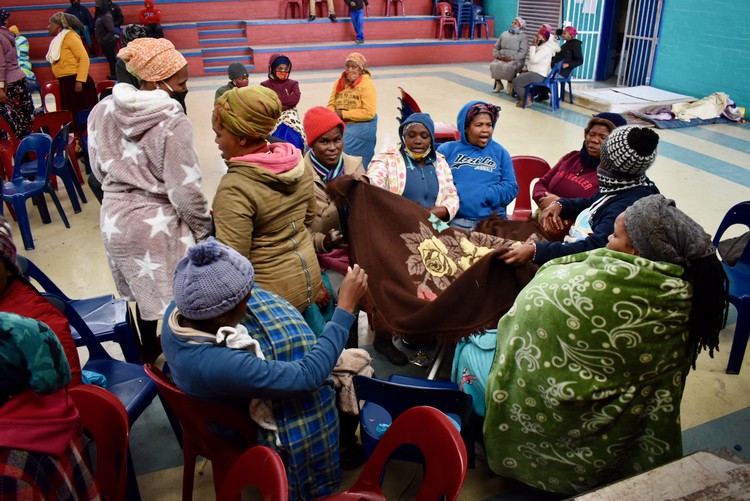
(318, 121)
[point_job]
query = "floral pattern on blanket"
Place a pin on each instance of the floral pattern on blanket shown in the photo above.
(440, 259)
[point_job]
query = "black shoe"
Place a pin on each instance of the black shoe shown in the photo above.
(352, 456)
(311, 18)
(332, 17)
(385, 347)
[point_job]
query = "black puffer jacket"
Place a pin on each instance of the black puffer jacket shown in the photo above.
(570, 53)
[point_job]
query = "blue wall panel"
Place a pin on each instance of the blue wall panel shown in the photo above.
(504, 11)
(705, 48)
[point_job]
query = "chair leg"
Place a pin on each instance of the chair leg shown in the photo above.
(77, 182)
(59, 207)
(188, 471)
(131, 489)
(71, 190)
(741, 335)
(19, 205)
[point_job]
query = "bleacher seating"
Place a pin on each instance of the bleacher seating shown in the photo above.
(213, 34)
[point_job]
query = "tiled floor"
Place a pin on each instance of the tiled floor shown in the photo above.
(706, 170)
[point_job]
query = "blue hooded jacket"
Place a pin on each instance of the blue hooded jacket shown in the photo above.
(484, 177)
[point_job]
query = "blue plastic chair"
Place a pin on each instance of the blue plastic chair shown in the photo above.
(464, 12)
(386, 400)
(108, 318)
(19, 189)
(548, 83)
(739, 286)
(62, 167)
(478, 20)
(128, 382)
(82, 120)
(562, 81)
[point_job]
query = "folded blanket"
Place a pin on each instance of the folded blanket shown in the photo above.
(425, 278)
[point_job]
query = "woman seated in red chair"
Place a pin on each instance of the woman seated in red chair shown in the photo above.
(574, 175)
(40, 431)
(19, 297)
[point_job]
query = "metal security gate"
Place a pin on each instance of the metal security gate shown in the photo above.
(537, 13)
(586, 17)
(641, 38)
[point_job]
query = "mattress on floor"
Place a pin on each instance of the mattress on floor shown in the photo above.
(625, 99)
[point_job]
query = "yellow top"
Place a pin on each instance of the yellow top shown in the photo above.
(357, 104)
(73, 59)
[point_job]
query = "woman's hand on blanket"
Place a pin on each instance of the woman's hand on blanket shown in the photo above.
(323, 299)
(358, 176)
(352, 288)
(519, 255)
(551, 220)
(547, 199)
(78, 87)
(439, 211)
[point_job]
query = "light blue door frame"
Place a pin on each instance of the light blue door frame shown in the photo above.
(586, 17)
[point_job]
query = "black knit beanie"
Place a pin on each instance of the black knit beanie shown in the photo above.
(629, 151)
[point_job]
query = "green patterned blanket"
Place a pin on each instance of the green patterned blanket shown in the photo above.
(587, 379)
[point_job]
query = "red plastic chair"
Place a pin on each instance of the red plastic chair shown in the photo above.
(445, 461)
(104, 85)
(527, 169)
(8, 149)
(197, 439)
(291, 4)
(444, 131)
(104, 416)
(395, 9)
(445, 18)
(260, 467)
(51, 88)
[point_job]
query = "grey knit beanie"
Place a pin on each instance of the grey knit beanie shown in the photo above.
(211, 280)
(659, 231)
(629, 151)
(236, 70)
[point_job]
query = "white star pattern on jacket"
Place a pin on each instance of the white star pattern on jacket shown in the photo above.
(130, 150)
(159, 223)
(147, 266)
(108, 227)
(192, 174)
(141, 140)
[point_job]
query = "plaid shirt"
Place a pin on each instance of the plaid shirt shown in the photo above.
(38, 476)
(308, 423)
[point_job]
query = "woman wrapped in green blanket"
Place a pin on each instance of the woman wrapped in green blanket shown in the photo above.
(591, 393)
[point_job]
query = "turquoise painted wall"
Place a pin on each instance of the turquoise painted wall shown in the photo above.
(705, 48)
(504, 11)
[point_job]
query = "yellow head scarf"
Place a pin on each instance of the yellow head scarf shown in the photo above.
(152, 59)
(248, 111)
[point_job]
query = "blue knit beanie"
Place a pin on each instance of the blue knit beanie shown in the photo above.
(211, 280)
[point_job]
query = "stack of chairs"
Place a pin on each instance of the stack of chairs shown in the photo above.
(464, 12)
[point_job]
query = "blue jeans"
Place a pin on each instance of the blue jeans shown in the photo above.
(463, 224)
(358, 21)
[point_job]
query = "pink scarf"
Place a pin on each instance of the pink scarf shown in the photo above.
(281, 157)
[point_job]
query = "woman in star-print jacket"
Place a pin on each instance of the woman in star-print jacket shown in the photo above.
(141, 150)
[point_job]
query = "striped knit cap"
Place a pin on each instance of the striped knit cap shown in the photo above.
(629, 151)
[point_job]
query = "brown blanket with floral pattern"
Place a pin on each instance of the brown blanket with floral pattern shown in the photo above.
(425, 278)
